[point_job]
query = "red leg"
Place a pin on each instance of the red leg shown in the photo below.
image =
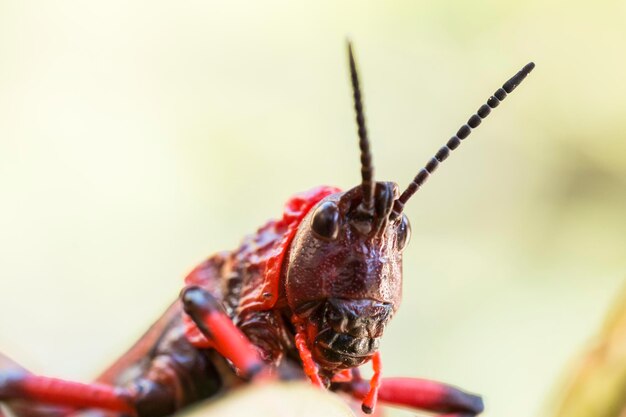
(173, 375)
(420, 394)
(22, 408)
(369, 402)
(310, 368)
(206, 312)
(25, 386)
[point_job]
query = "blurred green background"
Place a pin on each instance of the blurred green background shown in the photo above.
(136, 138)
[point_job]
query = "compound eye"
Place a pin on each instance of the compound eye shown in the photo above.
(325, 223)
(403, 233)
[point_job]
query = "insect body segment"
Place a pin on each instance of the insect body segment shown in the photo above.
(307, 295)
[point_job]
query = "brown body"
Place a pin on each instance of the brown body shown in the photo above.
(346, 309)
(168, 352)
(165, 354)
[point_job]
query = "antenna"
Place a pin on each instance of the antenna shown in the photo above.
(367, 169)
(454, 142)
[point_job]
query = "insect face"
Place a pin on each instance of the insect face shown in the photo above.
(344, 274)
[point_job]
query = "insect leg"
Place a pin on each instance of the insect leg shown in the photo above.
(310, 368)
(33, 388)
(369, 402)
(171, 376)
(207, 313)
(419, 394)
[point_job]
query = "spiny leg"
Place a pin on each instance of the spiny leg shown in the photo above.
(208, 315)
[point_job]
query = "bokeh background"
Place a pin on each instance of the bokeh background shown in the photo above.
(136, 138)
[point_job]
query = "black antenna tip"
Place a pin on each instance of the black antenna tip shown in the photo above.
(350, 53)
(516, 80)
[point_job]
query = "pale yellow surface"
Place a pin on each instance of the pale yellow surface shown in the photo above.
(597, 380)
(275, 400)
(136, 138)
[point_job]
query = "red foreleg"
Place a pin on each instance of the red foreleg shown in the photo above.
(423, 395)
(207, 313)
(25, 386)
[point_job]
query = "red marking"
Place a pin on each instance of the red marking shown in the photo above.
(309, 365)
(58, 392)
(195, 335)
(269, 246)
(369, 402)
(264, 296)
(204, 273)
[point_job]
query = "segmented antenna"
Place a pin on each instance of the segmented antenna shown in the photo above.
(454, 142)
(367, 169)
